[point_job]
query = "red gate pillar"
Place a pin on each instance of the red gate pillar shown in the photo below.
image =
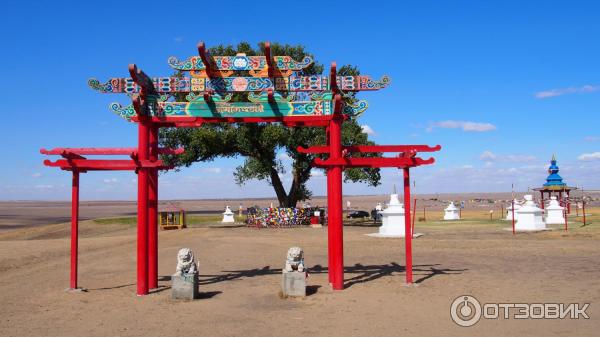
(407, 228)
(329, 207)
(153, 212)
(142, 216)
(335, 228)
(74, 228)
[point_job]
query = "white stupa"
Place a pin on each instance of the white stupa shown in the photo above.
(530, 216)
(554, 212)
(392, 219)
(509, 213)
(451, 212)
(228, 215)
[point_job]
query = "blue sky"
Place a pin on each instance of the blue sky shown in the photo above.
(500, 85)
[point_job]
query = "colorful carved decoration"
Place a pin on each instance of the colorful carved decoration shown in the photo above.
(125, 112)
(356, 109)
(241, 84)
(274, 85)
(239, 63)
(218, 109)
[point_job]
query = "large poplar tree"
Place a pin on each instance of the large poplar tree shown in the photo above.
(260, 143)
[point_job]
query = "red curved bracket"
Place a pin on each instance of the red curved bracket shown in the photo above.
(205, 56)
(142, 80)
(337, 105)
(269, 58)
(333, 78)
(136, 100)
(270, 96)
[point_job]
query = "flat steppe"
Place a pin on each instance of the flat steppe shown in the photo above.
(240, 274)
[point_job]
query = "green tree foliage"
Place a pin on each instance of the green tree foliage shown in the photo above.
(260, 143)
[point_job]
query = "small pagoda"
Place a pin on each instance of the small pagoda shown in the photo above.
(555, 186)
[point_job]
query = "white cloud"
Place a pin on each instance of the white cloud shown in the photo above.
(464, 125)
(43, 187)
(592, 138)
(489, 156)
(367, 129)
(589, 156)
(317, 172)
(110, 180)
(36, 175)
(212, 170)
(178, 39)
(564, 91)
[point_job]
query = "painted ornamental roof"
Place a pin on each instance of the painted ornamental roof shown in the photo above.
(554, 179)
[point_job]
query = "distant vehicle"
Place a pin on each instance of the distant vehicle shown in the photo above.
(358, 215)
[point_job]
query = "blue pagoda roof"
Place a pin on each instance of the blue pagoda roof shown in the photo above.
(554, 179)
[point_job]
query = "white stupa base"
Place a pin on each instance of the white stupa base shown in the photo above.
(379, 235)
(529, 230)
(531, 227)
(451, 219)
(555, 221)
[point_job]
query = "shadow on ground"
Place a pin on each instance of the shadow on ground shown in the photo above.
(358, 274)
(363, 273)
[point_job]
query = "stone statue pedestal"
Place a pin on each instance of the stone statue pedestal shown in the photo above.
(293, 284)
(184, 286)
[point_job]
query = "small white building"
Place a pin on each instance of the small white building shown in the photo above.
(509, 213)
(392, 219)
(228, 215)
(530, 216)
(451, 212)
(554, 212)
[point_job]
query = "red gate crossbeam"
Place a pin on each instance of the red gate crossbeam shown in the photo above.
(373, 148)
(105, 164)
(315, 121)
(126, 151)
(373, 162)
(74, 159)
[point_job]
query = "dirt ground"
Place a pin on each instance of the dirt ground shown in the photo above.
(240, 273)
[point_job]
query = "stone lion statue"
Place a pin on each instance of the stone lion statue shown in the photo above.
(186, 263)
(295, 260)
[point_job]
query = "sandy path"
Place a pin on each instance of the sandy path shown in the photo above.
(240, 275)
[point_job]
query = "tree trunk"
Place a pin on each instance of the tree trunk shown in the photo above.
(278, 186)
(292, 198)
